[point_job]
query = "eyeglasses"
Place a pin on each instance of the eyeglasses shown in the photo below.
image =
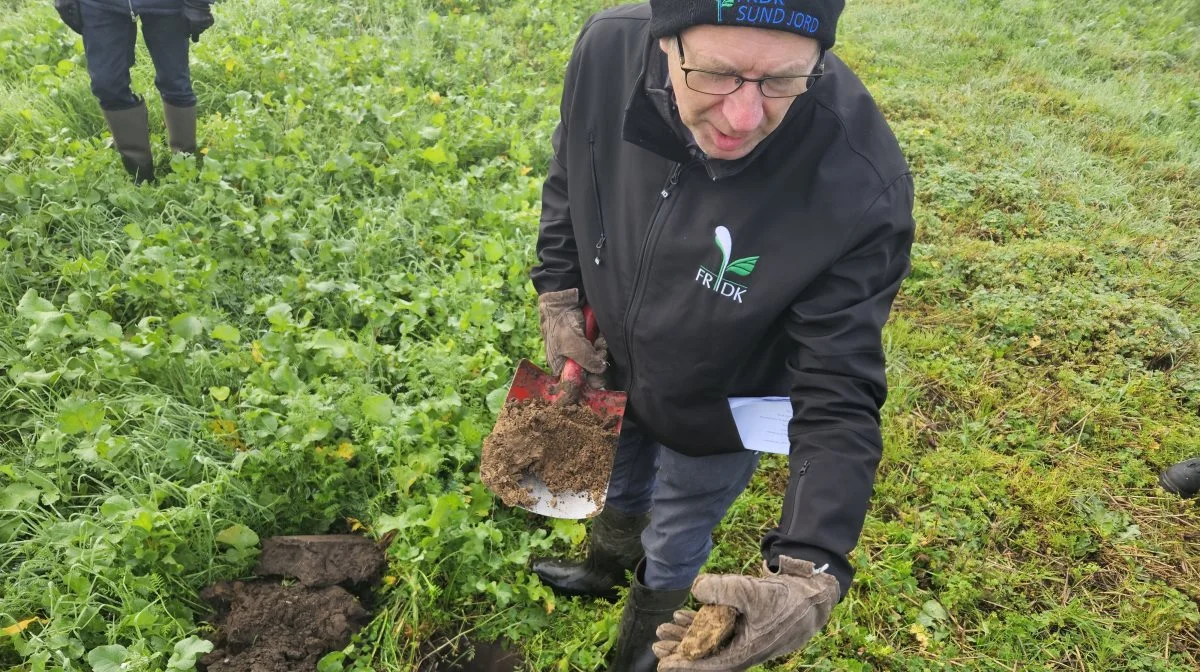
(725, 83)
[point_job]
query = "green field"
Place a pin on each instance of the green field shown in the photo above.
(311, 331)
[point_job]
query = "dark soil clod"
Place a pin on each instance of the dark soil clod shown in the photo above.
(322, 560)
(270, 627)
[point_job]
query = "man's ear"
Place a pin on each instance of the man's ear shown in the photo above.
(664, 43)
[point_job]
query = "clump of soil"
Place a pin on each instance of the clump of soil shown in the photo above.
(322, 560)
(269, 626)
(567, 446)
(709, 631)
(266, 625)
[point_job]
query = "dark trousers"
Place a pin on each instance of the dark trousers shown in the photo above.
(108, 44)
(686, 498)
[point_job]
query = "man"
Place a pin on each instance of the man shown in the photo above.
(109, 29)
(726, 196)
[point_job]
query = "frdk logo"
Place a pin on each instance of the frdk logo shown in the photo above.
(722, 5)
(718, 282)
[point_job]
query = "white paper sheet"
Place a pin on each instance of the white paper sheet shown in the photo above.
(762, 422)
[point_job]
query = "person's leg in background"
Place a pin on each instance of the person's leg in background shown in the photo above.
(615, 540)
(166, 39)
(691, 496)
(108, 45)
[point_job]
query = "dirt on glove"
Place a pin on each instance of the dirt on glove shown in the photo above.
(709, 631)
(567, 446)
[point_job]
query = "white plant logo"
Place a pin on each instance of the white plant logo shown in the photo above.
(718, 282)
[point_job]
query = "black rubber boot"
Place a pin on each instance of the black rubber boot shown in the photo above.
(1183, 478)
(615, 547)
(131, 134)
(181, 127)
(645, 610)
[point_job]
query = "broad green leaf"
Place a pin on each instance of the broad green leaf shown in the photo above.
(145, 520)
(743, 266)
(493, 251)
(435, 154)
(226, 332)
(331, 662)
(317, 430)
(187, 325)
(78, 416)
(107, 658)
(931, 613)
(239, 536)
(102, 328)
(179, 450)
(219, 393)
(114, 506)
(15, 184)
(280, 314)
(16, 494)
(187, 651)
(378, 408)
(495, 399)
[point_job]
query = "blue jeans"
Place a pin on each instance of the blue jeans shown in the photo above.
(685, 496)
(108, 44)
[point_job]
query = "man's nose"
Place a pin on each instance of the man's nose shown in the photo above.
(744, 108)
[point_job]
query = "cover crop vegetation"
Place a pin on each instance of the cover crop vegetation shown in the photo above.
(312, 330)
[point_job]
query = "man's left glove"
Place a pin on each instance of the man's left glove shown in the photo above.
(68, 11)
(778, 614)
(199, 17)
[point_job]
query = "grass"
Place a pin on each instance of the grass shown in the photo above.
(365, 219)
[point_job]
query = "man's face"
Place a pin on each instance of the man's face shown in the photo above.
(730, 126)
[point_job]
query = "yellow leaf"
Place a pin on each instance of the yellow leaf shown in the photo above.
(20, 627)
(549, 607)
(345, 451)
(922, 636)
(389, 580)
(229, 64)
(525, 170)
(435, 97)
(1035, 341)
(256, 352)
(355, 524)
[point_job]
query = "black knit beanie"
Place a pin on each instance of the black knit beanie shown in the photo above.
(811, 18)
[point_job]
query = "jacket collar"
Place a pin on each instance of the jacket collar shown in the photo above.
(651, 102)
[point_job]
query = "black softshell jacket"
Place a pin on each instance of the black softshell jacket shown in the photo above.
(769, 275)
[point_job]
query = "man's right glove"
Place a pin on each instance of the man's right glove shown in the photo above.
(199, 17)
(68, 11)
(562, 325)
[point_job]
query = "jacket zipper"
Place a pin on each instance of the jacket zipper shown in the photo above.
(596, 187)
(132, 16)
(647, 248)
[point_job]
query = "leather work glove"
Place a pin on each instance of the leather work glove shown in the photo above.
(562, 325)
(199, 17)
(777, 614)
(68, 11)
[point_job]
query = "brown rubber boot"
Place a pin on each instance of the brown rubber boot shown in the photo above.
(131, 134)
